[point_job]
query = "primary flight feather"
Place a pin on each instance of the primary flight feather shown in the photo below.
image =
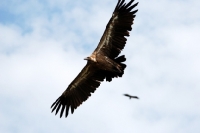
(103, 63)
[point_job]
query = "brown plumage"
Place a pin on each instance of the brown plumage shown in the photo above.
(131, 96)
(104, 62)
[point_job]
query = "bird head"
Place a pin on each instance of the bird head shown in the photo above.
(87, 58)
(90, 58)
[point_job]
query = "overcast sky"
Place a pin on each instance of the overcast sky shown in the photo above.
(42, 46)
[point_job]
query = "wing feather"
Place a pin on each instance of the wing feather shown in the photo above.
(67, 109)
(117, 28)
(79, 90)
(62, 110)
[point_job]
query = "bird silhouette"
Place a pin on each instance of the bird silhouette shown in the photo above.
(131, 96)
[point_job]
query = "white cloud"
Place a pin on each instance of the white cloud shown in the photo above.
(43, 54)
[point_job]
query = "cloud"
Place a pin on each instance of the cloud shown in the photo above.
(42, 49)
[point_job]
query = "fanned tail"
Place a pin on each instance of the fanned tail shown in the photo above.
(119, 60)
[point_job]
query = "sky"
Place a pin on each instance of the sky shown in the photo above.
(42, 46)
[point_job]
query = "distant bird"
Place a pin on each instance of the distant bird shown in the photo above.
(131, 96)
(103, 63)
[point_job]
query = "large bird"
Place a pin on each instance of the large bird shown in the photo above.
(103, 63)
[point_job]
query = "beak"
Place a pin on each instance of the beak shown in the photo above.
(86, 58)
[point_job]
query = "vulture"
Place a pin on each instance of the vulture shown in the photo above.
(103, 63)
(131, 96)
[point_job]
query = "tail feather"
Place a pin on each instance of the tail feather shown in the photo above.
(118, 60)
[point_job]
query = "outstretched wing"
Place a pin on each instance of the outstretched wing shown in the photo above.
(113, 39)
(134, 97)
(127, 95)
(79, 90)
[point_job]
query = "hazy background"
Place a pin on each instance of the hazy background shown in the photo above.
(42, 46)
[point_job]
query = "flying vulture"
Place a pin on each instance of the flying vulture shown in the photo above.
(131, 96)
(103, 63)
